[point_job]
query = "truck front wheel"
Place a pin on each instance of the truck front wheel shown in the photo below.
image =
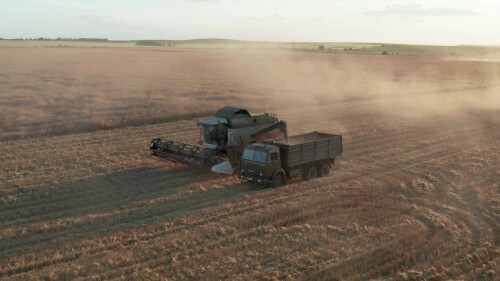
(311, 173)
(278, 180)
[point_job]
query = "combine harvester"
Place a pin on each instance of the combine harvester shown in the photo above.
(223, 138)
(233, 131)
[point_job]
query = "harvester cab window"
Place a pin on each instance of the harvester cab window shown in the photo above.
(215, 134)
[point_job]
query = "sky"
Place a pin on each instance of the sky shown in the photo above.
(438, 22)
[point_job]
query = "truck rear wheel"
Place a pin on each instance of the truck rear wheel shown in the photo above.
(311, 173)
(278, 180)
(324, 170)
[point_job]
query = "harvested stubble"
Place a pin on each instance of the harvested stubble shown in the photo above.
(414, 197)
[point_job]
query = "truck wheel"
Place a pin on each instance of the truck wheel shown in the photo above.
(311, 173)
(324, 170)
(278, 180)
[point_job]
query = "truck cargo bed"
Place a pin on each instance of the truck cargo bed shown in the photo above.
(310, 147)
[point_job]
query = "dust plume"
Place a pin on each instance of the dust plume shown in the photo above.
(315, 89)
(60, 91)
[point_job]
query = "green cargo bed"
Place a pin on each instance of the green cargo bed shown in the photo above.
(307, 148)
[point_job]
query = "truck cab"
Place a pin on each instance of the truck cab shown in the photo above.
(309, 155)
(261, 163)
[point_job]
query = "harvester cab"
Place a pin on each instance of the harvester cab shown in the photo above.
(213, 132)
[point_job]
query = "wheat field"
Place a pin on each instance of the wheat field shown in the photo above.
(415, 196)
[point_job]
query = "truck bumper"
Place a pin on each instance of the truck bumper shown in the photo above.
(258, 180)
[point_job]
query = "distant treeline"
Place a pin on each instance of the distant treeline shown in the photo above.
(149, 43)
(59, 39)
(146, 42)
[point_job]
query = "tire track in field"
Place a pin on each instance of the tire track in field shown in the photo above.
(454, 154)
(455, 207)
(52, 201)
(78, 193)
(16, 244)
(433, 216)
(172, 211)
(290, 197)
(119, 141)
(43, 156)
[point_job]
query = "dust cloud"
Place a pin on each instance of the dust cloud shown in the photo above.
(59, 91)
(301, 80)
(318, 91)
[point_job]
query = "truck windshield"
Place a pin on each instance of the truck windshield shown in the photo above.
(215, 134)
(255, 155)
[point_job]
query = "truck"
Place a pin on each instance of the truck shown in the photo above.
(273, 162)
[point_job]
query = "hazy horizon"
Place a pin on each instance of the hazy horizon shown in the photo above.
(426, 22)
